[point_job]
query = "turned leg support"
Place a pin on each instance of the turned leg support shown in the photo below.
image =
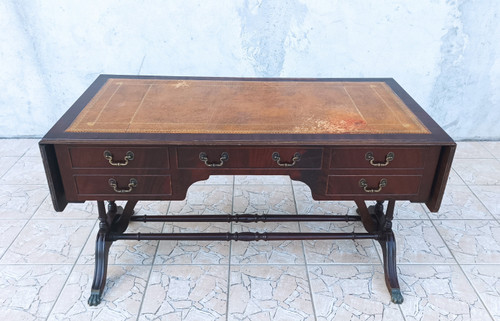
(115, 220)
(376, 221)
(388, 244)
(101, 267)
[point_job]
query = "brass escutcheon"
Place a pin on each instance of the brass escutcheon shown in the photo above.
(388, 158)
(364, 185)
(132, 183)
(128, 157)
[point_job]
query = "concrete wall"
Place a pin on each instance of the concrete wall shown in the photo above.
(446, 54)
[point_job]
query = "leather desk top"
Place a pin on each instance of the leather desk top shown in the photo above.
(196, 106)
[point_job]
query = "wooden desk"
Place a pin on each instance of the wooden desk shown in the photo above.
(149, 138)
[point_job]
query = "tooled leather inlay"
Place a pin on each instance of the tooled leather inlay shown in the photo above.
(245, 107)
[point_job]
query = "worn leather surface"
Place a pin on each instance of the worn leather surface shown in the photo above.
(222, 106)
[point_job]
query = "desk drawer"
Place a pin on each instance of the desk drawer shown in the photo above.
(378, 157)
(121, 157)
(373, 185)
(125, 185)
(221, 157)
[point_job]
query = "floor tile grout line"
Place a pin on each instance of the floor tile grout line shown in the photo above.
(460, 265)
(72, 269)
(398, 264)
(477, 292)
(480, 201)
(151, 269)
(147, 281)
(18, 158)
(304, 254)
(483, 146)
(463, 271)
(463, 180)
(485, 142)
(470, 189)
(230, 252)
(22, 228)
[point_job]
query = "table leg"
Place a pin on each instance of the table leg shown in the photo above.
(388, 244)
(115, 220)
(383, 222)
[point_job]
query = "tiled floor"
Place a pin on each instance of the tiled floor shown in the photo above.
(449, 262)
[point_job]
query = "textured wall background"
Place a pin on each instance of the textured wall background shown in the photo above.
(446, 54)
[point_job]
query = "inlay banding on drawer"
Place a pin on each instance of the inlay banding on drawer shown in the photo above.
(103, 156)
(373, 185)
(377, 157)
(142, 185)
(189, 157)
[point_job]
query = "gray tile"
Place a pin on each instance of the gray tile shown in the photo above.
(348, 292)
(338, 251)
(472, 150)
(26, 171)
(262, 180)
(478, 171)
(9, 229)
(454, 178)
(493, 148)
(186, 293)
(17, 147)
(21, 202)
(406, 210)
(204, 199)
(490, 197)
(193, 252)
(460, 203)
(307, 205)
(471, 241)
(49, 242)
(267, 292)
(121, 300)
(267, 252)
(87, 210)
(417, 241)
(34, 150)
(486, 281)
(217, 180)
(6, 163)
(263, 199)
(28, 292)
(439, 292)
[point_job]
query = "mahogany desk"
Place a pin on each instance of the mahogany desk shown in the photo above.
(149, 138)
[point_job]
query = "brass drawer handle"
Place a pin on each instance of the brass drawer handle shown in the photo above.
(128, 157)
(132, 183)
(381, 184)
(277, 159)
(223, 158)
(388, 158)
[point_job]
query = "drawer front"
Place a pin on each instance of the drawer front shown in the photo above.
(271, 158)
(121, 157)
(373, 185)
(125, 185)
(379, 157)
